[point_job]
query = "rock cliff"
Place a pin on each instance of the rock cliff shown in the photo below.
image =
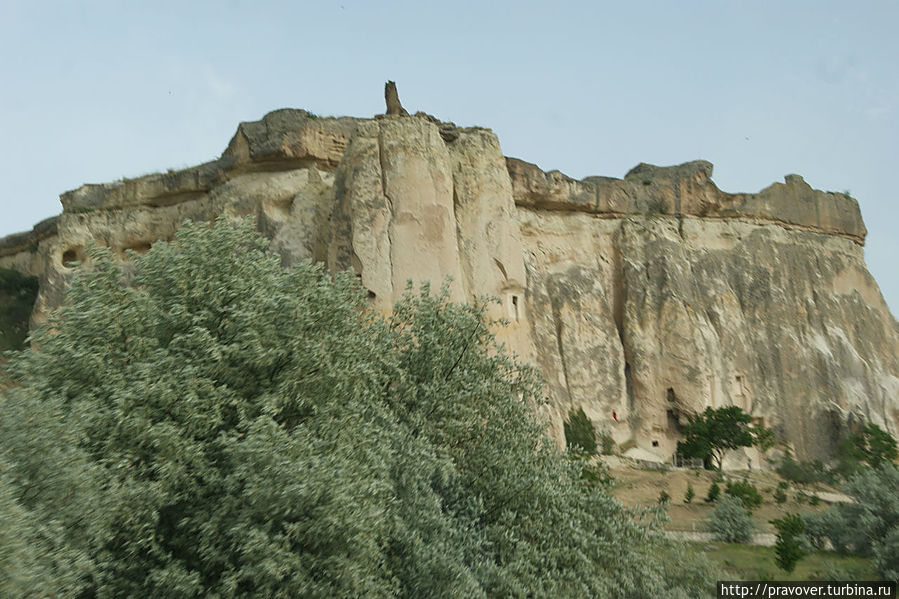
(641, 299)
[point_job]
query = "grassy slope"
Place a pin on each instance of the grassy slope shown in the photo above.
(752, 562)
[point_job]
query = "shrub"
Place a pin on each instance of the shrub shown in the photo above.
(607, 444)
(790, 546)
(870, 446)
(690, 494)
(580, 435)
(886, 555)
(803, 473)
(713, 494)
(664, 498)
(869, 526)
(780, 493)
(730, 521)
(746, 492)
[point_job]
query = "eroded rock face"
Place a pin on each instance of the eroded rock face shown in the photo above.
(641, 299)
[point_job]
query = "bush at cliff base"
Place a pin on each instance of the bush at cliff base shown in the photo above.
(867, 526)
(220, 426)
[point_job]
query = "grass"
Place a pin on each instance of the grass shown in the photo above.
(754, 562)
(640, 487)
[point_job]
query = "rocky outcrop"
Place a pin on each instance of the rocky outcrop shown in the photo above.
(687, 190)
(641, 299)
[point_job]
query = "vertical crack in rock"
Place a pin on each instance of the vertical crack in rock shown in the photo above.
(557, 321)
(382, 163)
(629, 388)
(618, 286)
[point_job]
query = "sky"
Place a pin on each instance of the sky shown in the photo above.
(94, 91)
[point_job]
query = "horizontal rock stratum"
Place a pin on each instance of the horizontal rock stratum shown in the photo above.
(641, 299)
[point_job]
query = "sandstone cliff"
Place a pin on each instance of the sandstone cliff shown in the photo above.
(648, 297)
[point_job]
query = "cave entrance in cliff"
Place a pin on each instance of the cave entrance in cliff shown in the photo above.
(672, 413)
(71, 256)
(515, 307)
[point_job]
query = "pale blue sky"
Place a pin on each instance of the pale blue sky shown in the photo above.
(93, 91)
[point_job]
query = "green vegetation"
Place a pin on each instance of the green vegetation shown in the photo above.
(664, 498)
(607, 444)
(791, 544)
(803, 473)
(871, 446)
(714, 493)
(17, 296)
(580, 436)
(690, 494)
(711, 434)
(870, 525)
(780, 493)
(730, 521)
(228, 428)
(754, 562)
(746, 492)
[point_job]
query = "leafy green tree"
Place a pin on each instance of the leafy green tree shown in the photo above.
(746, 492)
(871, 446)
(690, 494)
(579, 432)
(711, 434)
(730, 522)
(714, 493)
(790, 546)
(222, 427)
(803, 473)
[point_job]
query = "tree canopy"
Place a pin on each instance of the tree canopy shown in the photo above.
(870, 446)
(712, 433)
(202, 422)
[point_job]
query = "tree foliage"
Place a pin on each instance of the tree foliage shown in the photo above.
(730, 522)
(579, 432)
(803, 473)
(712, 433)
(223, 427)
(871, 446)
(790, 546)
(17, 295)
(746, 492)
(870, 524)
(714, 493)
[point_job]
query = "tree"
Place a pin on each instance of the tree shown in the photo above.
(712, 433)
(579, 432)
(790, 546)
(714, 493)
(746, 492)
(871, 446)
(868, 526)
(221, 426)
(690, 494)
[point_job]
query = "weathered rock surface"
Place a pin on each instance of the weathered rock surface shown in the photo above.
(641, 299)
(687, 190)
